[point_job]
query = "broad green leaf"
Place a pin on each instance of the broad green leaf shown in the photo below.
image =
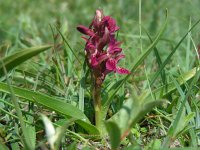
(114, 133)
(30, 132)
(54, 104)
(138, 61)
(19, 57)
(91, 129)
(50, 102)
(15, 146)
(133, 110)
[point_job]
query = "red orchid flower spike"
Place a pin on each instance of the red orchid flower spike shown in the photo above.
(103, 51)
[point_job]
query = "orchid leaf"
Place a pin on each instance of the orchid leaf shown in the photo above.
(47, 101)
(19, 57)
(133, 110)
(136, 107)
(54, 104)
(114, 133)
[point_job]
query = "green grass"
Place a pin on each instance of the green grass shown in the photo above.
(157, 106)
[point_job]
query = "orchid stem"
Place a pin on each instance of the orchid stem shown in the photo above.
(97, 105)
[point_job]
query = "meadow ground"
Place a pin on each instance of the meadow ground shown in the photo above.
(45, 82)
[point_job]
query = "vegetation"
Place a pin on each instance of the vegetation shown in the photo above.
(47, 96)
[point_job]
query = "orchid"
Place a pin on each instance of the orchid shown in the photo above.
(102, 49)
(103, 53)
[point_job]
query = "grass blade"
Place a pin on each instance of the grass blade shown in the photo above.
(184, 98)
(158, 59)
(167, 60)
(170, 87)
(116, 87)
(16, 59)
(53, 104)
(67, 43)
(82, 88)
(25, 140)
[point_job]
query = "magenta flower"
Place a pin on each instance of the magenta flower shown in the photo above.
(103, 51)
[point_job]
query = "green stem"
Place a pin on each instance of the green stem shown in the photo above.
(97, 105)
(18, 111)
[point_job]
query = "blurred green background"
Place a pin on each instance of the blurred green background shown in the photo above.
(25, 23)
